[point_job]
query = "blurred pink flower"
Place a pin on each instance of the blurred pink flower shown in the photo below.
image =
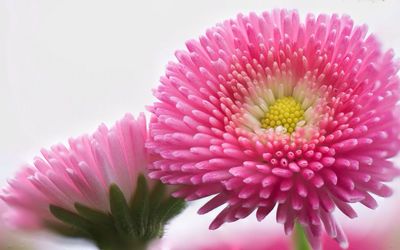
(358, 241)
(10, 238)
(267, 110)
(368, 236)
(81, 173)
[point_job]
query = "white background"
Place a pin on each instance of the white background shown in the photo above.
(66, 66)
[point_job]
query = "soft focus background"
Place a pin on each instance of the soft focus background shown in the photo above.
(67, 66)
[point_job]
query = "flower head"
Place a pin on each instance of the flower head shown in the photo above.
(268, 111)
(95, 188)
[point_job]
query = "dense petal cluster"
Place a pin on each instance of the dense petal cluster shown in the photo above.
(81, 173)
(211, 132)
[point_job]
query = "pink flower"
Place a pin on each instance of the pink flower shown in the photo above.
(246, 239)
(95, 189)
(359, 240)
(268, 111)
(81, 173)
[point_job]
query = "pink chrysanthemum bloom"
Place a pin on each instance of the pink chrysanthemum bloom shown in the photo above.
(268, 111)
(95, 189)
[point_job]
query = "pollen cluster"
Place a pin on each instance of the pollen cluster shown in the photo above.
(285, 112)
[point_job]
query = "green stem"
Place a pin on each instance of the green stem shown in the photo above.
(300, 239)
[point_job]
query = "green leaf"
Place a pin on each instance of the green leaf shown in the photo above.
(127, 226)
(156, 198)
(170, 208)
(157, 195)
(95, 216)
(66, 230)
(140, 206)
(71, 218)
(120, 211)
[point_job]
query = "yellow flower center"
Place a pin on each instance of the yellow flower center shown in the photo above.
(285, 112)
